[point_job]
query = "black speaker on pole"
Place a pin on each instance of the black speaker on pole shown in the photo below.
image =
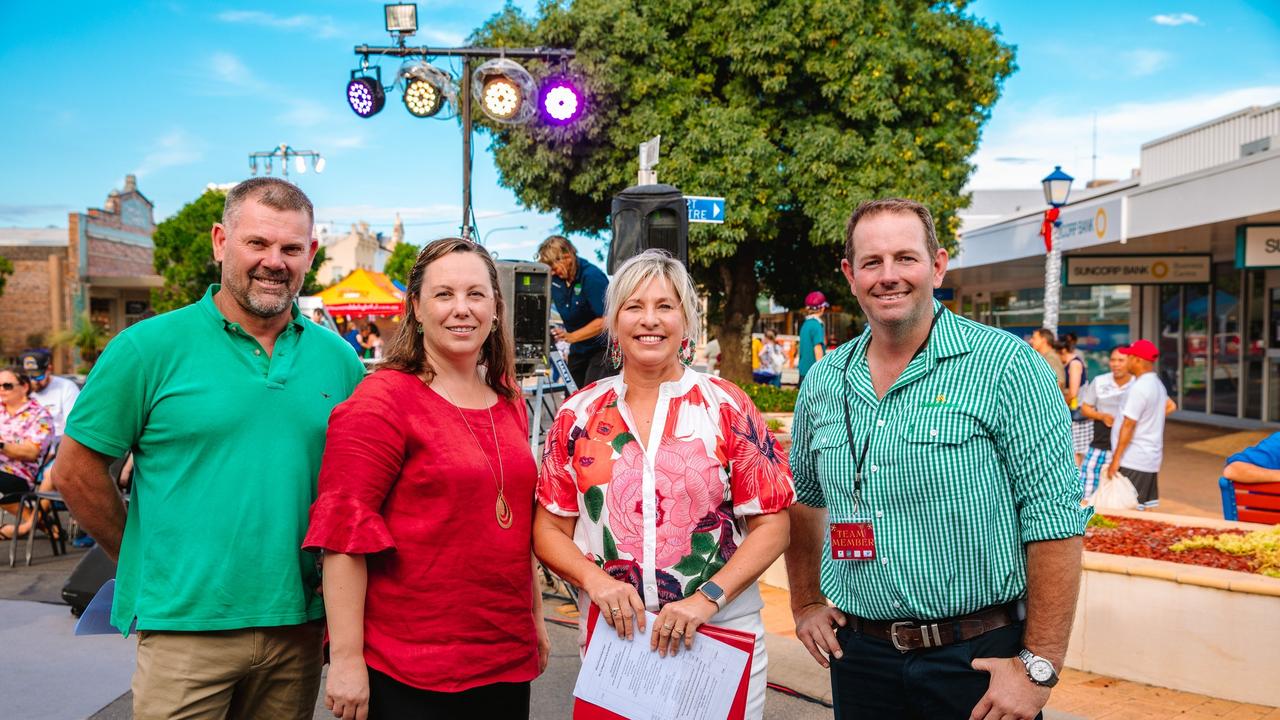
(648, 217)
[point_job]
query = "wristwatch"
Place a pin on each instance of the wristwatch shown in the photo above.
(713, 592)
(1039, 670)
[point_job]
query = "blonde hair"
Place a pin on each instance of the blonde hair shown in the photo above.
(637, 272)
(554, 248)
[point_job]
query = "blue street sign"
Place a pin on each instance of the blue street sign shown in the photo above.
(705, 209)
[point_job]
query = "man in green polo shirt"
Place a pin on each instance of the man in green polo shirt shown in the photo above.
(940, 512)
(224, 405)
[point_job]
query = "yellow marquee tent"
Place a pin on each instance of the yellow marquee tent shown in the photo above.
(363, 292)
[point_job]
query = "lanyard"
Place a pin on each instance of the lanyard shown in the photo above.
(861, 458)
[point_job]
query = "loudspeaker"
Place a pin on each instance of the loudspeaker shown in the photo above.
(526, 288)
(646, 217)
(94, 569)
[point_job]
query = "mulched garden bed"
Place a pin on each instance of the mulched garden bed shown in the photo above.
(1148, 539)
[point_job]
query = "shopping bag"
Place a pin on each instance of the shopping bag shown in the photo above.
(1116, 492)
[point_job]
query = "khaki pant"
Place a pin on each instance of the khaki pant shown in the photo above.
(267, 672)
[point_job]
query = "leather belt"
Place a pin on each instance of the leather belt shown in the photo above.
(915, 634)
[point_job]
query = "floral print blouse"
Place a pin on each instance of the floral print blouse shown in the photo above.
(667, 516)
(31, 423)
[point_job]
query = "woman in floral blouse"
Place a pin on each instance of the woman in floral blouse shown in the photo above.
(661, 488)
(26, 429)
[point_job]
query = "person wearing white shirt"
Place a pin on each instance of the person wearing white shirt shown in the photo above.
(1102, 401)
(55, 394)
(1138, 441)
(771, 361)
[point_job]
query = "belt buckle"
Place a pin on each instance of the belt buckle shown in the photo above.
(893, 634)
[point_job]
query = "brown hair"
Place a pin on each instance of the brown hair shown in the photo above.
(903, 206)
(21, 375)
(275, 193)
(405, 352)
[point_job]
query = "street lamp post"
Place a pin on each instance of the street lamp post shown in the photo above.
(1057, 188)
(286, 153)
(485, 241)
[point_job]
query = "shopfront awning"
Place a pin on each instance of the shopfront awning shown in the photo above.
(363, 292)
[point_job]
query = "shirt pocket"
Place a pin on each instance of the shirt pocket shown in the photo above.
(831, 455)
(942, 455)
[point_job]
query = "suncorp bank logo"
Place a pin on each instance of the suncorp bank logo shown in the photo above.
(1100, 223)
(1159, 270)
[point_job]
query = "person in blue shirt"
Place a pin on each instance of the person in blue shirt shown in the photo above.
(577, 289)
(1256, 464)
(813, 336)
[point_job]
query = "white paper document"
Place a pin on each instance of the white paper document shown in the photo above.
(628, 678)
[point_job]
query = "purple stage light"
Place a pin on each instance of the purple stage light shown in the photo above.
(561, 102)
(365, 96)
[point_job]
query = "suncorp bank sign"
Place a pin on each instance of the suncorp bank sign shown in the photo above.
(1137, 269)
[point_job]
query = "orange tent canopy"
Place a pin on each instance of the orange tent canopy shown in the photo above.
(363, 292)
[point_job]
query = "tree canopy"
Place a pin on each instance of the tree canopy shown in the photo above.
(793, 110)
(184, 254)
(6, 269)
(403, 256)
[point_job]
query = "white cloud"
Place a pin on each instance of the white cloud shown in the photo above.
(1176, 19)
(1022, 145)
(306, 113)
(320, 26)
(230, 71)
(1143, 62)
(175, 149)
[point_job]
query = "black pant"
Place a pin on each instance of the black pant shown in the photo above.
(873, 680)
(589, 366)
(390, 699)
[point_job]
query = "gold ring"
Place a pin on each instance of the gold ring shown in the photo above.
(678, 633)
(668, 627)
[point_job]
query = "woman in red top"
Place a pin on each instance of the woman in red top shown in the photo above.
(425, 512)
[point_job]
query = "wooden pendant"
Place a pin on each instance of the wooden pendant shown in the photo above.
(503, 512)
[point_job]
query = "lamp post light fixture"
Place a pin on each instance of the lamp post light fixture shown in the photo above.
(1057, 189)
(485, 241)
(286, 153)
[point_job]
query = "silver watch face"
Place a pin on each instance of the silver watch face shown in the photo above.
(1040, 671)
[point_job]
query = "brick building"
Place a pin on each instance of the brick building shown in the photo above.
(100, 264)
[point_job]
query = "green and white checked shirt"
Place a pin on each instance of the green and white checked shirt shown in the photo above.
(969, 458)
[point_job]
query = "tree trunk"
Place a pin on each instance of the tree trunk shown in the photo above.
(738, 281)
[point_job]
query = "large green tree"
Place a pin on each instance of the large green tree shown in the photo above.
(403, 256)
(793, 110)
(184, 254)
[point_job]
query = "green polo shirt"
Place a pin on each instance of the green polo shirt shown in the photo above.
(969, 458)
(227, 444)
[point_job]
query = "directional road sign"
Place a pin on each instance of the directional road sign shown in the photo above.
(705, 209)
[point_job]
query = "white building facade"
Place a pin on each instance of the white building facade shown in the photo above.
(1186, 254)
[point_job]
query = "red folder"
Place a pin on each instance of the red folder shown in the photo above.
(583, 710)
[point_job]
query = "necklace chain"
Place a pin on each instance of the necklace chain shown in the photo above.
(502, 510)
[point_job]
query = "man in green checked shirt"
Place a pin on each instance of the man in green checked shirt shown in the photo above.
(935, 555)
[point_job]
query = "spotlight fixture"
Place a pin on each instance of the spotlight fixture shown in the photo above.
(300, 165)
(365, 94)
(504, 90)
(402, 18)
(253, 165)
(559, 101)
(426, 88)
(320, 164)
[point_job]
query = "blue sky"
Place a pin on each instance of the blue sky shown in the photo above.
(181, 92)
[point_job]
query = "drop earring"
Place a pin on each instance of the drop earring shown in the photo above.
(685, 353)
(615, 354)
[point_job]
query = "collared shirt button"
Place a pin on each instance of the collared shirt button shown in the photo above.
(879, 513)
(884, 561)
(897, 604)
(257, 352)
(933, 432)
(880, 423)
(875, 468)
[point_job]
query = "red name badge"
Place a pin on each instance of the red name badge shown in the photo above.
(853, 541)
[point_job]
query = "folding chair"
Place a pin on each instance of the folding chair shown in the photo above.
(48, 517)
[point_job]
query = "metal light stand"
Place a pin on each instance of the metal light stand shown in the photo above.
(467, 54)
(285, 153)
